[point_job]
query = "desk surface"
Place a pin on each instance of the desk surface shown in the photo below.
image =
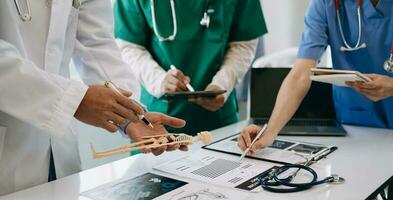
(364, 159)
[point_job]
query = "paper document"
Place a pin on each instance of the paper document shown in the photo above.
(151, 186)
(211, 169)
(281, 151)
(337, 77)
(195, 191)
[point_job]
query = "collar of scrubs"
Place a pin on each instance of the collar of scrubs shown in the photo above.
(383, 9)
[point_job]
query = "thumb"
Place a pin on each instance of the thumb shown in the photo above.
(172, 121)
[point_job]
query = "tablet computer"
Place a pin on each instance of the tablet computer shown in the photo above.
(186, 95)
(337, 77)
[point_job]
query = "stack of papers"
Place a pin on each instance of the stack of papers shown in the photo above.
(337, 77)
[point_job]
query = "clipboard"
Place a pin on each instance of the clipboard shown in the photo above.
(291, 144)
(187, 94)
(337, 77)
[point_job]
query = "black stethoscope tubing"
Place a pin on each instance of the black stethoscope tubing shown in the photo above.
(272, 181)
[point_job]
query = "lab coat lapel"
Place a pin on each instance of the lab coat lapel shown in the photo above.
(57, 30)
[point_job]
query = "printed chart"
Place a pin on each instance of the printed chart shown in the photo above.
(216, 170)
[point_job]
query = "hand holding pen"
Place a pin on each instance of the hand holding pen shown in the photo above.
(137, 112)
(104, 108)
(176, 81)
(250, 146)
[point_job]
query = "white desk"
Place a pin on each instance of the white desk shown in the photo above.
(364, 158)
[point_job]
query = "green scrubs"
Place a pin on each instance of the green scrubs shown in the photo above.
(197, 51)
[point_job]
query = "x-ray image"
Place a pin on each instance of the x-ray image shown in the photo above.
(145, 187)
(307, 149)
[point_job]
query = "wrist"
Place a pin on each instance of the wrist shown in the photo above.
(123, 128)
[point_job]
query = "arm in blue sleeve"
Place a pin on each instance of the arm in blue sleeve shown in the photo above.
(315, 36)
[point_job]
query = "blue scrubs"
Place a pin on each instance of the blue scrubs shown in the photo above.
(321, 30)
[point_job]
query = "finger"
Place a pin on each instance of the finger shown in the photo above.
(369, 92)
(117, 119)
(145, 150)
(372, 76)
(183, 148)
(178, 83)
(172, 121)
(172, 88)
(158, 151)
(109, 127)
(247, 139)
(187, 79)
(130, 104)
(178, 74)
(369, 85)
(126, 93)
(173, 147)
(125, 113)
(350, 83)
(241, 143)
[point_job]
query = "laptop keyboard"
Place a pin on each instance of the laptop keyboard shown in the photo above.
(298, 122)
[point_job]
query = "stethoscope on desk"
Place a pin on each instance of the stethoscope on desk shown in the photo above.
(205, 21)
(27, 16)
(272, 182)
(388, 66)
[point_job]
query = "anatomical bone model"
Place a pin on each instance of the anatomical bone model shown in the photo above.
(155, 142)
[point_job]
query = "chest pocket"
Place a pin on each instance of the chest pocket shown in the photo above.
(221, 18)
(3, 130)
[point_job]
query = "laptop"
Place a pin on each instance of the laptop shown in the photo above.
(316, 115)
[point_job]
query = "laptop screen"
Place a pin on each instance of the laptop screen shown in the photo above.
(265, 84)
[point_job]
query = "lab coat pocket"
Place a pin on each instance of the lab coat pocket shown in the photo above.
(3, 130)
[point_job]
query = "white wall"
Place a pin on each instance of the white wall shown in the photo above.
(284, 20)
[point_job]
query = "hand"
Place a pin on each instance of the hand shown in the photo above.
(247, 136)
(136, 131)
(381, 87)
(102, 107)
(174, 81)
(210, 103)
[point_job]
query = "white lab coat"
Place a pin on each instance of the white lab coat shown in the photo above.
(37, 99)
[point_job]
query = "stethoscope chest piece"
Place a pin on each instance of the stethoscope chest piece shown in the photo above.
(336, 179)
(205, 21)
(388, 66)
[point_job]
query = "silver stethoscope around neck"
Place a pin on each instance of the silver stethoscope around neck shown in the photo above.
(388, 65)
(205, 21)
(26, 15)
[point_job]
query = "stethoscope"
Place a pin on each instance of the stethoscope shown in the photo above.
(346, 46)
(27, 16)
(388, 65)
(272, 182)
(205, 21)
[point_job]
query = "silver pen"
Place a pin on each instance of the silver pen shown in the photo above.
(112, 86)
(189, 87)
(259, 135)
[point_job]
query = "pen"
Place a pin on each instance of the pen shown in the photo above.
(112, 86)
(189, 87)
(259, 135)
